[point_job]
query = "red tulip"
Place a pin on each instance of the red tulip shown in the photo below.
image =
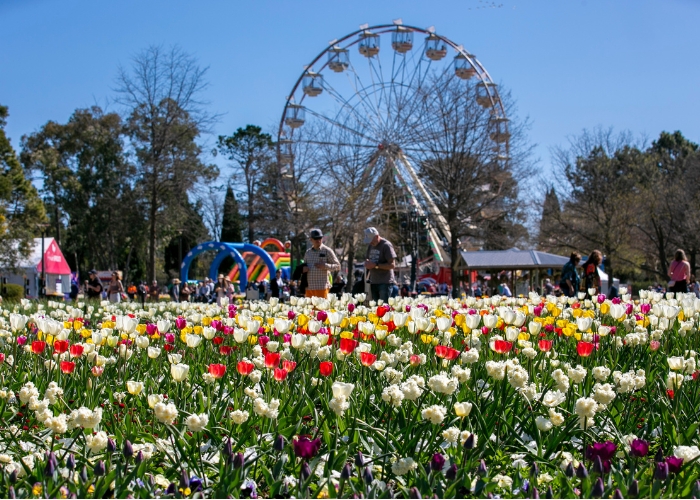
(272, 359)
(415, 360)
(225, 350)
(60, 346)
(449, 353)
(169, 347)
(289, 365)
(502, 346)
(584, 349)
(321, 316)
(217, 370)
(245, 367)
(367, 358)
(545, 345)
(347, 346)
(76, 350)
(326, 368)
(67, 366)
(382, 310)
(2, 357)
(280, 374)
(38, 346)
(218, 340)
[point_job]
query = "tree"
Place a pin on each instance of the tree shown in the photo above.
(475, 190)
(90, 186)
(252, 152)
(21, 209)
(597, 171)
(165, 119)
(551, 214)
(232, 223)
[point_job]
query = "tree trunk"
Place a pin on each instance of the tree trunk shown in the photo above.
(152, 234)
(454, 257)
(351, 266)
(58, 226)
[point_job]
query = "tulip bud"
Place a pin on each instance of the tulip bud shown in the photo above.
(598, 465)
(50, 468)
(279, 443)
(535, 493)
(414, 493)
(451, 473)
(346, 473)
(617, 493)
(70, 462)
(184, 479)
(359, 459)
(534, 470)
(228, 448)
(99, 469)
(171, 489)
(550, 493)
(139, 458)
(238, 460)
(111, 446)
(633, 490)
(598, 488)
(469, 443)
(13, 476)
(581, 471)
(128, 450)
(659, 457)
(367, 475)
(482, 470)
(11, 492)
(437, 462)
(305, 471)
(569, 471)
(661, 472)
(84, 474)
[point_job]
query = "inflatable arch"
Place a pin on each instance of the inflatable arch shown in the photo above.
(224, 250)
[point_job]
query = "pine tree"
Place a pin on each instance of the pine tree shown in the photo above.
(21, 209)
(551, 213)
(232, 223)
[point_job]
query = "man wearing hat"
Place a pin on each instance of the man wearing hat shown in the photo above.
(379, 261)
(320, 262)
(93, 286)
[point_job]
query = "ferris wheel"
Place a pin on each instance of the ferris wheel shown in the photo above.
(364, 97)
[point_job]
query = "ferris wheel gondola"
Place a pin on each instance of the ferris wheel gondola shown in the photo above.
(366, 96)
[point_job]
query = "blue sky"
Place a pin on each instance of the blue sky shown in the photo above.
(570, 64)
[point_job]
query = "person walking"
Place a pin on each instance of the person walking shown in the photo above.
(276, 284)
(115, 288)
(591, 275)
(154, 292)
(570, 280)
(379, 260)
(175, 290)
(679, 273)
(93, 286)
(320, 262)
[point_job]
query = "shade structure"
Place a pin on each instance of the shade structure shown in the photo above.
(510, 259)
(53, 257)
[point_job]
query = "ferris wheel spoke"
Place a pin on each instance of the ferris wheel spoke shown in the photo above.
(347, 144)
(344, 102)
(337, 124)
(356, 82)
(382, 99)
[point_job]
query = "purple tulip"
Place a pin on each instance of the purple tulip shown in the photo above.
(305, 447)
(438, 462)
(639, 448)
(605, 451)
(674, 464)
(180, 323)
(661, 472)
(287, 339)
(151, 328)
(291, 315)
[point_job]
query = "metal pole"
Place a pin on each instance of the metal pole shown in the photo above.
(42, 290)
(179, 269)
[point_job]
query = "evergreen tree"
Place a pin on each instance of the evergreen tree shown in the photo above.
(551, 214)
(21, 209)
(232, 223)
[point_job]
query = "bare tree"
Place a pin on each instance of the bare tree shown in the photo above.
(166, 115)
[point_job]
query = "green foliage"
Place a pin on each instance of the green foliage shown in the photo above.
(21, 209)
(13, 293)
(232, 222)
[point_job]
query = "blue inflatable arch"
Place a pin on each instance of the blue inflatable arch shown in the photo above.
(224, 250)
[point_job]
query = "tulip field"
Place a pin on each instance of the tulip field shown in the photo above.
(497, 397)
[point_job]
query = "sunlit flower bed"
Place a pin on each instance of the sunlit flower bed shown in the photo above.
(506, 397)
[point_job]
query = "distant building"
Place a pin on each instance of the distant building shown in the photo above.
(28, 272)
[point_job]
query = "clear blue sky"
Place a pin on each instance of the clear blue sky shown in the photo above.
(570, 64)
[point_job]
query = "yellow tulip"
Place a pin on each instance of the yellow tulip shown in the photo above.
(206, 321)
(198, 330)
(556, 312)
(524, 336)
(217, 318)
(577, 336)
(681, 316)
(550, 306)
(124, 336)
(577, 313)
(252, 339)
(270, 321)
(67, 325)
(77, 325)
(346, 335)
(141, 328)
(302, 320)
(426, 339)
(344, 323)
(589, 313)
(460, 320)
